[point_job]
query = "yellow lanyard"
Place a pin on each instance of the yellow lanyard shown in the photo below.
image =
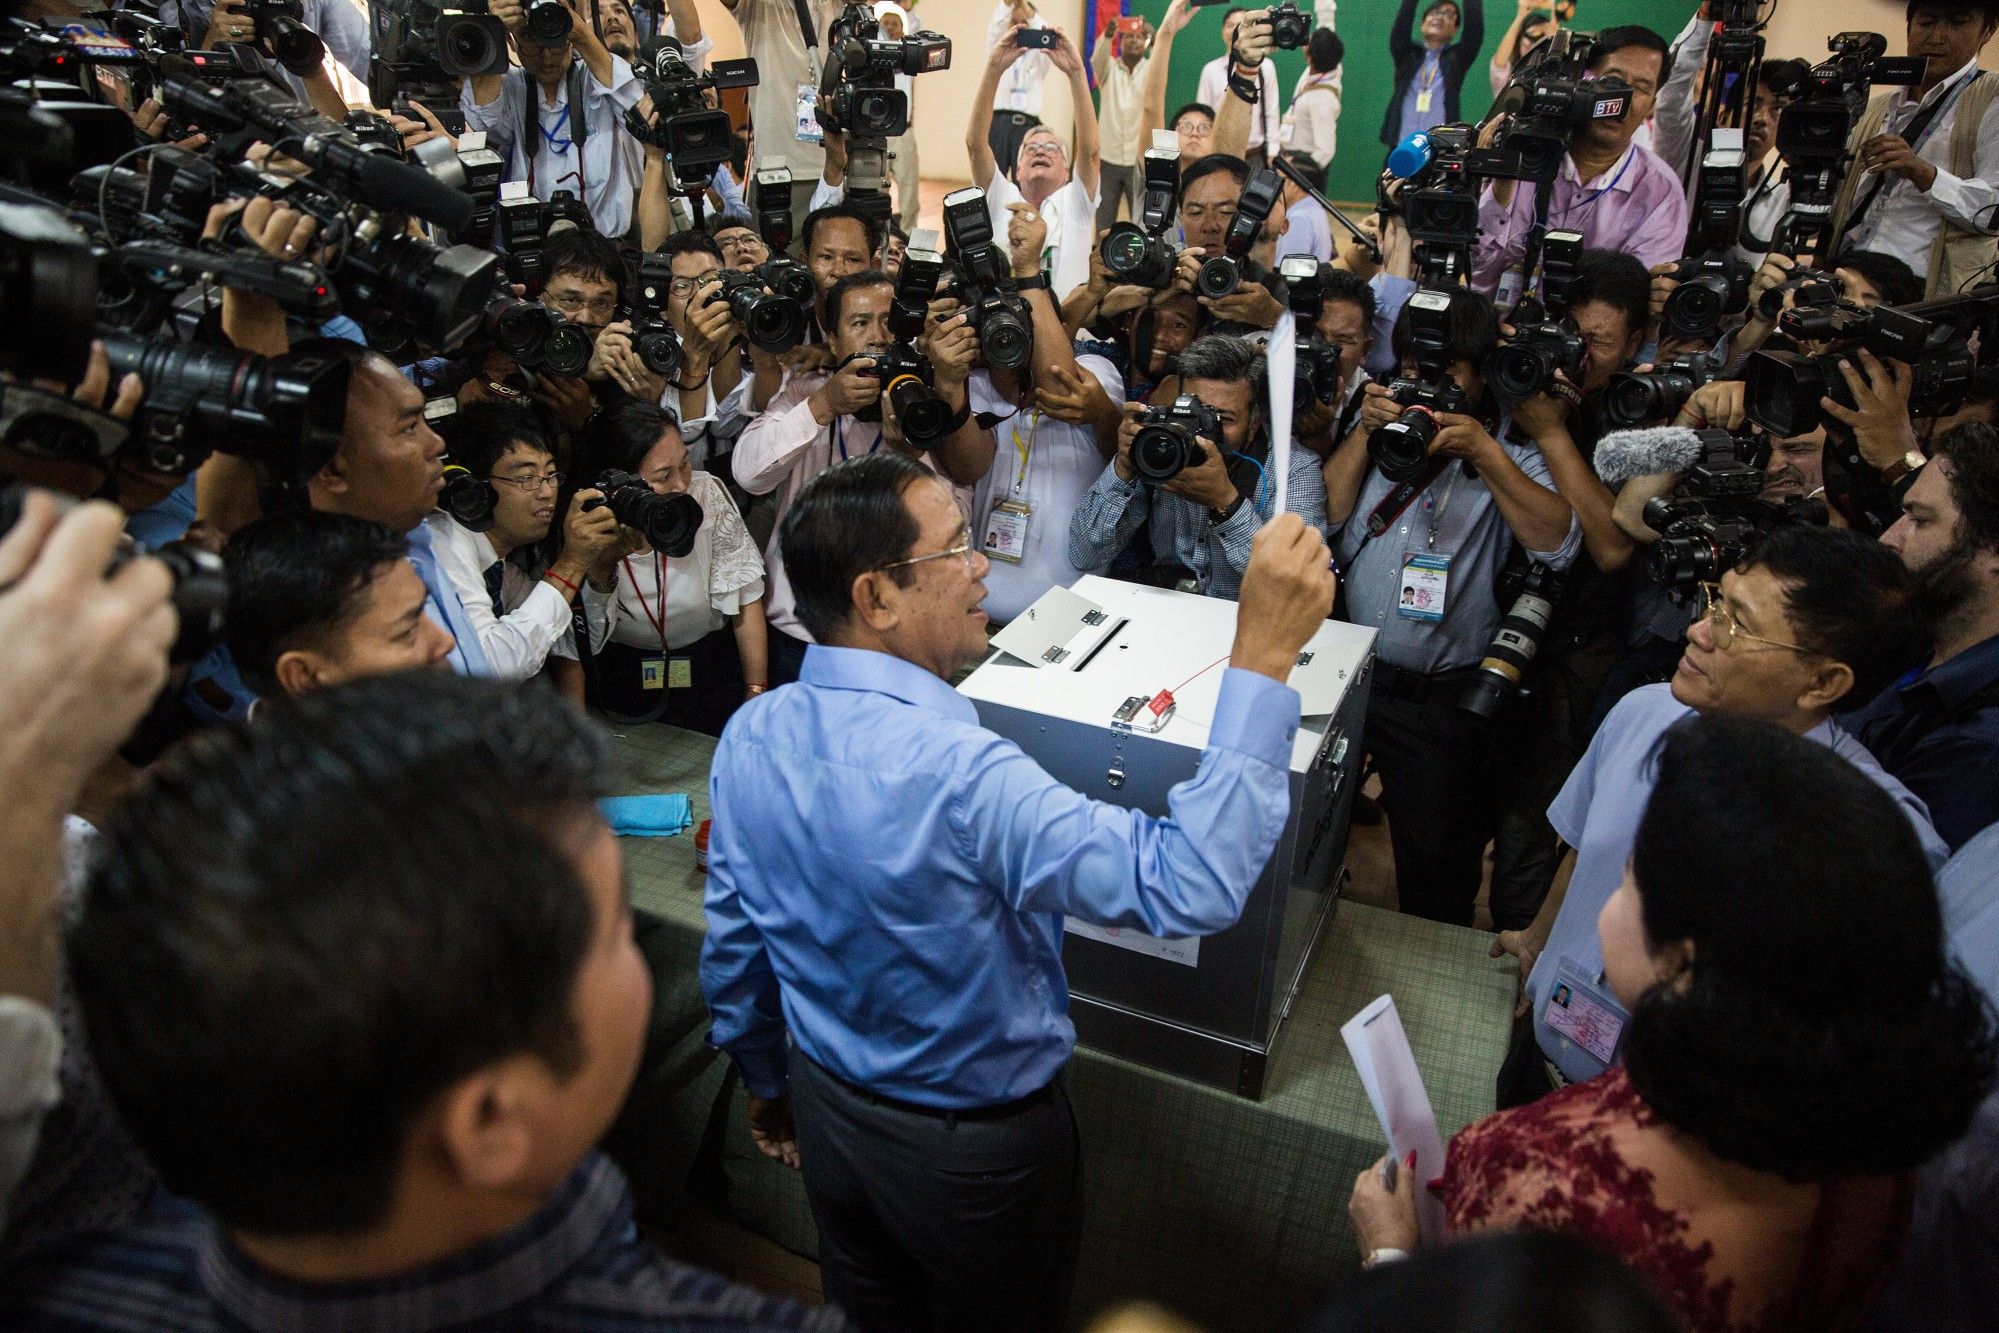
(1024, 448)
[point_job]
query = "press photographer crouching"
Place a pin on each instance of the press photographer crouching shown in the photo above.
(1427, 495)
(820, 417)
(1196, 472)
(675, 612)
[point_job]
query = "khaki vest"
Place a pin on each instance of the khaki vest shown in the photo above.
(1960, 253)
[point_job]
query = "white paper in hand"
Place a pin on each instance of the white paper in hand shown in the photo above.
(1283, 353)
(1380, 1050)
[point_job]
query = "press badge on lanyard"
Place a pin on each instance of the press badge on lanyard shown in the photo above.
(1584, 1015)
(808, 115)
(1426, 574)
(1006, 526)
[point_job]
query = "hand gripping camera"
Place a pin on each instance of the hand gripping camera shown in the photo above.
(1168, 439)
(1220, 275)
(668, 522)
(1550, 97)
(1401, 448)
(984, 282)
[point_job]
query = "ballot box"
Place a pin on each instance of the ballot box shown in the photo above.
(1077, 684)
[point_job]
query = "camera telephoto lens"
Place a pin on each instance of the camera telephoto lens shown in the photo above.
(1161, 453)
(549, 22)
(668, 522)
(1401, 447)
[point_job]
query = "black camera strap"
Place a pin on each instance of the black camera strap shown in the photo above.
(803, 8)
(1912, 134)
(1382, 517)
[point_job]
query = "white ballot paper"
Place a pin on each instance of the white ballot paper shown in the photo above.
(1380, 1050)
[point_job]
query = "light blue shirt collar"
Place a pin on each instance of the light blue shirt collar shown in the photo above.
(880, 673)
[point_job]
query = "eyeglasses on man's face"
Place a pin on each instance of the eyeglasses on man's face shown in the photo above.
(1726, 629)
(575, 303)
(964, 551)
(547, 481)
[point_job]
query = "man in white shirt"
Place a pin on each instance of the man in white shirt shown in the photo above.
(528, 119)
(1041, 175)
(1312, 125)
(519, 616)
(1925, 180)
(1266, 124)
(813, 421)
(1120, 62)
(620, 30)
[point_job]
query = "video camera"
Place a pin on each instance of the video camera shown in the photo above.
(1317, 375)
(858, 96)
(984, 283)
(1550, 96)
(1437, 201)
(1168, 438)
(1823, 103)
(1401, 448)
(1548, 343)
(423, 48)
(1138, 252)
(1715, 511)
(695, 138)
(1223, 274)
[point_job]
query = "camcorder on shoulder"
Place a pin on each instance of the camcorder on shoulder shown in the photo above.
(1550, 96)
(695, 137)
(1138, 252)
(1169, 436)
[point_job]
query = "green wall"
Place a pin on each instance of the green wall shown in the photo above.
(1370, 74)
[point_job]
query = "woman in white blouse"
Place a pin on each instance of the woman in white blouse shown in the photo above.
(678, 637)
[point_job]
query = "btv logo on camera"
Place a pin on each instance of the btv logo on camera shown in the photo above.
(1610, 108)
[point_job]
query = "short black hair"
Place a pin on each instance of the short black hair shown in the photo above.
(1223, 357)
(295, 578)
(487, 429)
(846, 521)
(1820, 1031)
(1203, 167)
(378, 904)
(818, 217)
(583, 254)
(1848, 597)
(1471, 329)
(1308, 166)
(620, 437)
(1325, 50)
(1985, 9)
(1973, 451)
(1342, 285)
(1504, 1280)
(1618, 280)
(1894, 279)
(1436, 5)
(1624, 37)
(1201, 107)
(722, 222)
(691, 242)
(836, 295)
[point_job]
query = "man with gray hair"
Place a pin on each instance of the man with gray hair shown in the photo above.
(1203, 517)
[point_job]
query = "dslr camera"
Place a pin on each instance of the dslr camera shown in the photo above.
(1290, 28)
(1715, 283)
(668, 522)
(1715, 512)
(1401, 448)
(1168, 438)
(1632, 399)
(984, 282)
(1527, 363)
(906, 378)
(1221, 275)
(1138, 252)
(1317, 375)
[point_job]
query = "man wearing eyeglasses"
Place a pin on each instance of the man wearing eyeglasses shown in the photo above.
(887, 883)
(711, 393)
(520, 615)
(1809, 617)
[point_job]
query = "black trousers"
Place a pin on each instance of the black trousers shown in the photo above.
(933, 1223)
(1432, 759)
(714, 665)
(1543, 734)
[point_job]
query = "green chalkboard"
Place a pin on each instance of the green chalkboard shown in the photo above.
(1370, 73)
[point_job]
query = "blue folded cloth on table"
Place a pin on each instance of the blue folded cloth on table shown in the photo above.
(659, 816)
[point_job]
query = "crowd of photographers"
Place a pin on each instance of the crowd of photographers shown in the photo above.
(1652, 421)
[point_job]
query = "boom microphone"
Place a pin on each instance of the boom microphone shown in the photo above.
(1624, 454)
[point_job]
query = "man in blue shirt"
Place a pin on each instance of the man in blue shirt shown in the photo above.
(368, 1024)
(1937, 728)
(1808, 617)
(887, 882)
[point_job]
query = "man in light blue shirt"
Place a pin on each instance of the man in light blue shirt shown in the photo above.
(887, 883)
(1811, 616)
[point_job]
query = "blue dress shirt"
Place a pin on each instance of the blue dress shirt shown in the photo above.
(887, 879)
(1938, 731)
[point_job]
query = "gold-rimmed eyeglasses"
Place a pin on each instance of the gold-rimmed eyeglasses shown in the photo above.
(1727, 629)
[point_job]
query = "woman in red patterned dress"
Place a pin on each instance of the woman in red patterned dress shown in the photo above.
(1798, 1043)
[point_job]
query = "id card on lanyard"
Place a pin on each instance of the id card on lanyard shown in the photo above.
(1006, 526)
(659, 671)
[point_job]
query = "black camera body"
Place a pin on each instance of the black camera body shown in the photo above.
(470, 42)
(537, 338)
(1783, 388)
(1527, 363)
(1438, 204)
(771, 200)
(1223, 274)
(669, 523)
(906, 378)
(473, 502)
(857, 95)
(280, 28)
(1138, 252)
(1168, 438)
(1550, 97)
(1712, 287)
(1290, 28)
(1401, 448)
(770, 321)
(403, 286)
(1715, 511)
(1632, 399)
(1317, 375)
(985, 283)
